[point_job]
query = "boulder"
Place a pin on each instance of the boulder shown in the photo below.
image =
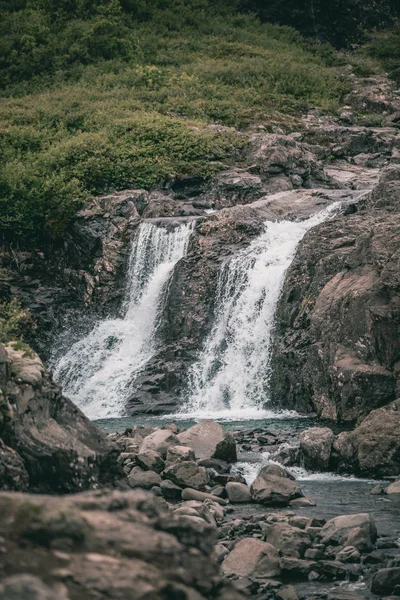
(209, 440)
(274, 486)
(252, 558)
(26, 587)
(372, 448)
(316, 445)
(384, 581)
(296, 567)
(338, 529)
(191, 494)
(150, 461)
(238, 493)
(13, 475)
(62, 451)
(187, 474)
(138, 478)
(290, 541)
(393, 488)
(170, 491)
(159, 441)
(107, 544)
(179, 453)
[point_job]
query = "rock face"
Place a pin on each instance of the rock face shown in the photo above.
(372, 448)
(108, 546)
(337, 323)
(50, 441)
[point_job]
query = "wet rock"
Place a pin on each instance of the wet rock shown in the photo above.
(274, 486)
(208, 440)
(337, 334)
(385, 581)
(187, 474)
(159, 441)
(236, 186)
(138, 478)
(252, 558)
(316, 445)
(338, 529)
(62, 451)
(150, 461)
(238, 492)
(341, 594)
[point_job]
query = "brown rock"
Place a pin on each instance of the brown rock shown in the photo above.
(252, 558)
(274, 486)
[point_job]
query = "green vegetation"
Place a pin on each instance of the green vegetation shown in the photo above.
(12, 319)
(102, 96)
(380, 53)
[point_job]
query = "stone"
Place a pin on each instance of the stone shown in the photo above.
(297, 567)
(372, 448)
(301, 502)
(26, 587)
(121, 545)
(348, 554)
(338, 529)
(13, 475)
(361, 539)
(179, 453)
(385, 581)
(287, 592)
(290, 541)
(208, 440)
(54, 443)
(316, 445)
(150, 461)
(341, 594)
(170, 491)
(238, 492)
(187, 474)
(138, 478)
(191, 494)
(252, 558)
(393, 488)
(159, 441)
(221, 552)
(274, 486)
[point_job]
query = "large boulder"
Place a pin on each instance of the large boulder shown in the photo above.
(238, 493)
(373, 448)
(316, 445)
(393, 488)
(208, 439)
(339, 529)
(385, 581)
(108, 546)
(159, 441)
(62, 451)
(337, 325)
(252, 558)
(290, 541)
(274, 486)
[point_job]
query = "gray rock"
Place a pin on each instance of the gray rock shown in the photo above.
(290, 541)
(13, 475)
(179, 453)
(297, 567)
(170, 491)
(274, 486)
(138, 478)
(150, 461)
(316, 445)
(159, 441)
(348, 554)
(208, 439)
(238, 492)
(393, 488)
(338, 530)
(26, 587)
(254, 558)
(187, 474)
(191, 494)
(385, 581)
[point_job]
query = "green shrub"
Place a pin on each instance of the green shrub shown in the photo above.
(12, 319)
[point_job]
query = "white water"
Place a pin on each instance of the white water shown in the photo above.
(97, 372)
(230, 379)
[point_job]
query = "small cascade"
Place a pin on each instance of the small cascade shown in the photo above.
(97, 371)
(230, 378)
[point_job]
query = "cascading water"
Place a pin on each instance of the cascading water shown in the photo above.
(230, 378)
(98, 370)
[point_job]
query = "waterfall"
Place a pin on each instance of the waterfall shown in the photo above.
(98, 370)
(230, 378)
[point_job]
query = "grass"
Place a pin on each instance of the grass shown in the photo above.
(116, 124)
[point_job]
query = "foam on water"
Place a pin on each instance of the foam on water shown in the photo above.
(232, 373)
(98, 371)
